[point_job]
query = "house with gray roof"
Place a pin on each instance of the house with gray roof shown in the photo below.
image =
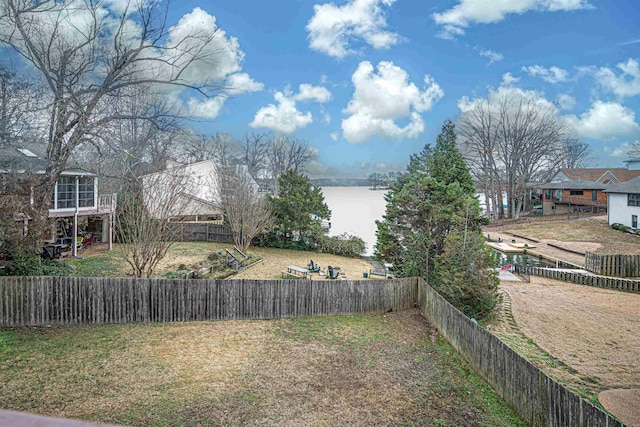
(581, 190)
(624, 203)
(75, 194)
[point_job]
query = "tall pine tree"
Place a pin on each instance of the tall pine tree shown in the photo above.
(432, 199)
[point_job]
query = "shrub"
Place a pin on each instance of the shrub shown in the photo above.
(344, 245)
(621, 227)
(27, 263)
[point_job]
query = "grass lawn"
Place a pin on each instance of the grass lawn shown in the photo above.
(611, 241)
(355, 370)
(111, 264)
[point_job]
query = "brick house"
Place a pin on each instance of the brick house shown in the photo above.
(581, 190)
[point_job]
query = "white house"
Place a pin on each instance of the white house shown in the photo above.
(624, 203)
(187, 192)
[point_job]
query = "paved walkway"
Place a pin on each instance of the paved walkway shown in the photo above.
(507, 276)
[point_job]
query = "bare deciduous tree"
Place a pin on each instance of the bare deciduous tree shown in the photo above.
(142, 217)
(219, 147)
(287, 153)
(634, 150)
(253, 152)
(511, 140)
(17, 105)
(576, 153)
(86, 54)
(246, 212)
(128, 148)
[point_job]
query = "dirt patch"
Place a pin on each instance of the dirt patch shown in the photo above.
(624, 403)
(388, 369)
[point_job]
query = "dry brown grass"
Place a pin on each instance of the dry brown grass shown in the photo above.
(275, 260)
(189, 253)
(591, 336)
(596, 232)
(359, 370)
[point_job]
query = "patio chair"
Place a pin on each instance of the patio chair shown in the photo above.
(313, 267)
(331, 273)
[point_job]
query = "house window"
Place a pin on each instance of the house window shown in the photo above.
(85, 194)
(633, 200)
(634, 221)
(559, 194)
(66, 192)
(594, 195)
(576, 192)
(548, 194)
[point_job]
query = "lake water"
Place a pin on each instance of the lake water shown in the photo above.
(355, 210)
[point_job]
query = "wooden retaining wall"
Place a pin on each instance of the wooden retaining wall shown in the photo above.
(31, 301)
(615, 283)
(199, 232)
(613, 265)
(538, 399)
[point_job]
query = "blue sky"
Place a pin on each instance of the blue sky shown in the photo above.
(369, 82)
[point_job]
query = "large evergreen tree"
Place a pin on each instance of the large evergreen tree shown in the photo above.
(299, 209)
(434, 198)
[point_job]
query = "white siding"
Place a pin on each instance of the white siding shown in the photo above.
(619, 212)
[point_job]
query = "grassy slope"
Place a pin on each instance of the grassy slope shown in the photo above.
(612, 241)
(367, 370)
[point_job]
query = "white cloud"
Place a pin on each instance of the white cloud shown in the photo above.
(380, 98)
(467, 12)
(621, 150)
(551, 75)
(242, 83)
(284, 117)
(335, 136)
(207, 109)
(605, 120)
(508, 79)
(624, 84)
(493, 56)
(497, 96)
(220, 61)
(332, 29)
(566, 102)
(309, 92)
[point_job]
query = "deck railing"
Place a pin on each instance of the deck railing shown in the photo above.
(107, 203)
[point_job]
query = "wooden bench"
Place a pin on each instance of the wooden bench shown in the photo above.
(378, 273)
(288, 273)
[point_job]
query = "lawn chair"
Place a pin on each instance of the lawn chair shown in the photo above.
(332, 274)
(87, 242)
(313, 267)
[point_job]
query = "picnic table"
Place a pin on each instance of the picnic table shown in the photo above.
(295, 271)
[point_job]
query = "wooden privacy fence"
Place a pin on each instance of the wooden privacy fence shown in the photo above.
(615, 283)
(538, 399)
(613, 265)
(31, 301)
(199, 232)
